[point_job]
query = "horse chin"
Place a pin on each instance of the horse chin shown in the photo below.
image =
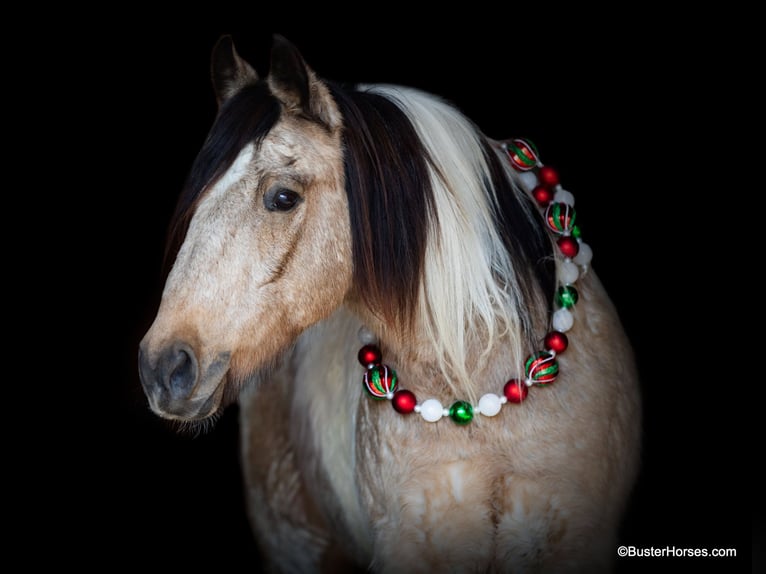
(195, 410)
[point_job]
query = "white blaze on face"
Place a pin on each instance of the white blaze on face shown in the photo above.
(236, 172)
(208, 234)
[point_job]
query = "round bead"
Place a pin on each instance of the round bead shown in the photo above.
(560, 217)
(556, 341)
(380, 381)
(562, 320)
(369, 355)
(541, 368)
(522, 153)
(568, 272)
(584, 255)
(461, 412)
(542, 195)
(365, 336)
(548, 176)
(489, 405)
(528, 180)
(568, 246)
(515, 391)
(404, 401)
(567, 296)
(431, 410)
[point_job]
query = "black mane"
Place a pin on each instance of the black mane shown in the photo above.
(391, 203)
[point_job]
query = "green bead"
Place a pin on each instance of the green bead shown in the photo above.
(576, 232)
(461, 412)
(566, 296)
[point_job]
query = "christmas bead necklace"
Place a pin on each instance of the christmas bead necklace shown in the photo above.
(541, 368)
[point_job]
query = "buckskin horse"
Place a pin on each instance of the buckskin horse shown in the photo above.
(430, 376)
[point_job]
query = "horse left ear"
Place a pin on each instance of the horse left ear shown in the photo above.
(229, 72)
(297, 86)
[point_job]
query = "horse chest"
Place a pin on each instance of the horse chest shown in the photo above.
(450, 497)
(409, 473)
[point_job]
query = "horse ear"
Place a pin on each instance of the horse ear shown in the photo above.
(229, 72)
(298, 87)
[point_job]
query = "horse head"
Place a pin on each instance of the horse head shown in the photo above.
(260, 237)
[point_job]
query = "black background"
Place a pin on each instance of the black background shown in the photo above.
(612, 110)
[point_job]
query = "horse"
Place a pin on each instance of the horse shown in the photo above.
(429, 375)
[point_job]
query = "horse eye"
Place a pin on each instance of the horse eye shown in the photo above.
(281, 199)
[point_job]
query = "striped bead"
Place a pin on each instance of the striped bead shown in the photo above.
(560, 217)
(522, 153)
(380, 381)
(541, 368)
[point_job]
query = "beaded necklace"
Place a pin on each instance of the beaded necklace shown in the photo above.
(541, 367)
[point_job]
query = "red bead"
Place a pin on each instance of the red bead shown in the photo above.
(568, 246)
(515, 391)
(543, 196)
(556, 341)
(369, 355)
(404, 401)
(548, 176)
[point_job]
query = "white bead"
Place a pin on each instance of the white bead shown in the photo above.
(563, 196)
(489, 405)
(584, 255)
(365, 336)
(563, 320)
(568, 272)
(528, 180)
(431, 410)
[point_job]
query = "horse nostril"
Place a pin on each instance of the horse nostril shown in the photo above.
(179, 370)
(182, 370)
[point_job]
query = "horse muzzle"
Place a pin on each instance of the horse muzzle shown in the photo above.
(177, 385)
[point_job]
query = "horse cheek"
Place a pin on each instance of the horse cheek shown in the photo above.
(323, 278)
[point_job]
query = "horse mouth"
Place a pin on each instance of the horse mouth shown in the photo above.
(191, 410)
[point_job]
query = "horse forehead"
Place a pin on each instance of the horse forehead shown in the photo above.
(298, 143)
(237, 170)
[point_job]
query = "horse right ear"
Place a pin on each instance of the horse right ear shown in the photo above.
(229, 72)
